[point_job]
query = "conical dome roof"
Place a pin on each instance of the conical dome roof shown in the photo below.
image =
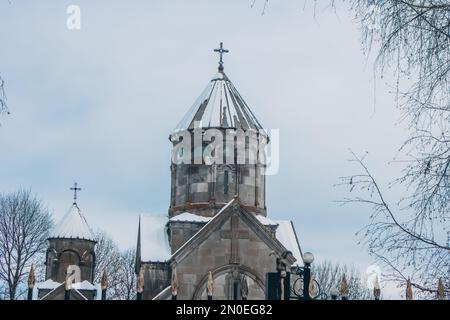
(73, 226)
(220, 106)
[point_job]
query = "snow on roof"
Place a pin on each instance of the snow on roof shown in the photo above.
(189, 217)
(154, 240)
(205, 226)
(48, 284)
(73, 226)
(285, 233)
(266, 221)
(155, 244)
(51, 285)
(84, 285)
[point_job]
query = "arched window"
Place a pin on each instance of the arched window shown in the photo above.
(225, 182)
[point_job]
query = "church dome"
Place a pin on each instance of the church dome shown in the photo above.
(220, 106)
(73, 226)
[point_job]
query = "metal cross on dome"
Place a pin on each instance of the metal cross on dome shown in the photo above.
(75, 189)
(221, 51)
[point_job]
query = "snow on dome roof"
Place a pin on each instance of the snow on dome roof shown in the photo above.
(73, 226)
(220, 106)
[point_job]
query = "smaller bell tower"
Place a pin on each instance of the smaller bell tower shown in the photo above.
(71, 244)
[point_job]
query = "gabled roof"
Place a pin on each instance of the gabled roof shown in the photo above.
(220, 106)
(225, 213)
(73, 226)
(153, 243)
(75, 294)
(56, 288)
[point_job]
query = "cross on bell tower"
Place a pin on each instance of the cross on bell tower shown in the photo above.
(75, 189)
(221, 51)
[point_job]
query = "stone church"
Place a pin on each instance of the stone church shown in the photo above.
(217, 239)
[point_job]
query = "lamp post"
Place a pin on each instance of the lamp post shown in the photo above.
(308, 258)
(305, 287)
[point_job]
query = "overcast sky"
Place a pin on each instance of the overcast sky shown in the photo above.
(97, 105)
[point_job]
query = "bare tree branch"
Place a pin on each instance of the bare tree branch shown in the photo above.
(24, 227)
(3, 105)
(329, 276)
(118, 266)
(400, 240)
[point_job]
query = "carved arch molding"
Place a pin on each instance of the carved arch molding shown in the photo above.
(228, 269)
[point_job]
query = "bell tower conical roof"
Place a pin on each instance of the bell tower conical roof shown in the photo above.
(73, 226)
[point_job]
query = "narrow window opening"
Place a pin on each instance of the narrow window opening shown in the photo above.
(225, 182)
